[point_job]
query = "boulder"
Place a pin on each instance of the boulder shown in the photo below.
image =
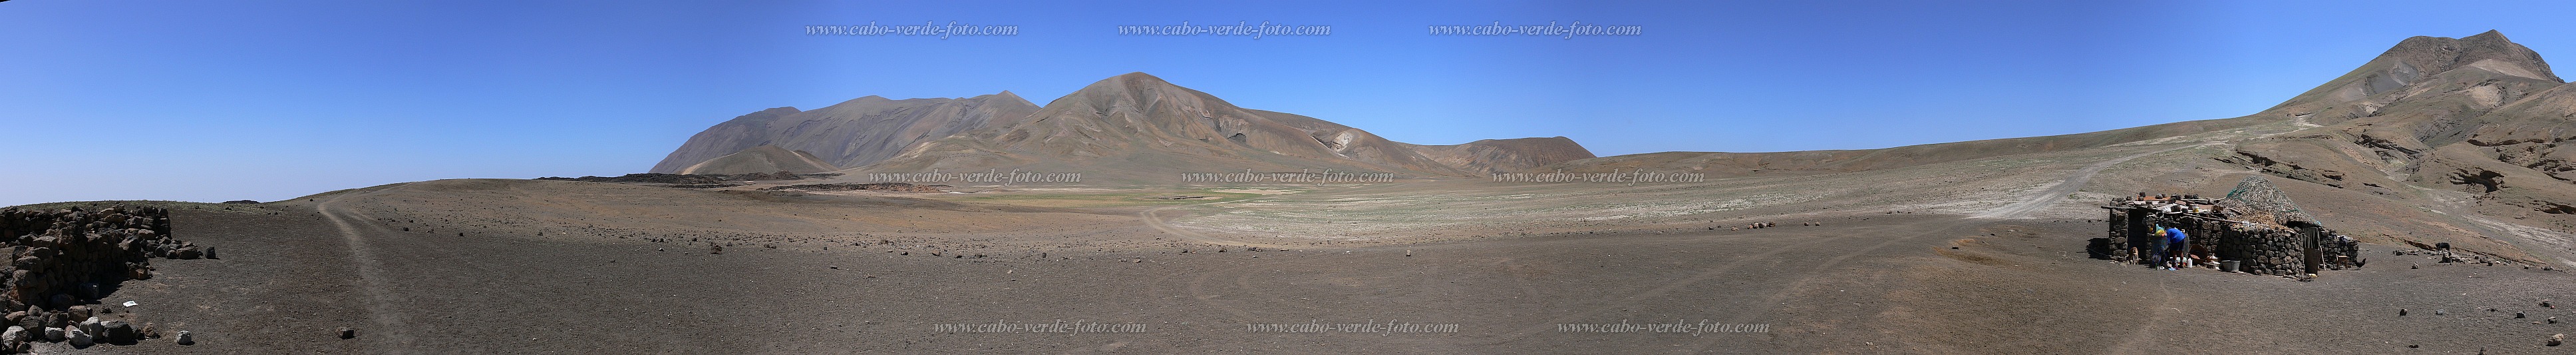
(13, 336)
(77, 338)
(185, 339)
(92, 327)
(119, 332)
(54, 334)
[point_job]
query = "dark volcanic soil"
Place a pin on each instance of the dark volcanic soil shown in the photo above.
(1885, 284)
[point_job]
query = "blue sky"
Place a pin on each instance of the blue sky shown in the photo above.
(267, 100)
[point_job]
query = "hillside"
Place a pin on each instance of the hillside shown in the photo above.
(761, 159)
(1141, 128)
(851, 133)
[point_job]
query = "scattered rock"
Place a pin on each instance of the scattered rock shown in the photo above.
(346, 333)
(2401, 312)
(184, 339)
(2554, 339)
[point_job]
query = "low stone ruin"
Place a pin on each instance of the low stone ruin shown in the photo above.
(63, 261)
(2255, 230)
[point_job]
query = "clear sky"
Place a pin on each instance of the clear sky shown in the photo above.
(267, 100)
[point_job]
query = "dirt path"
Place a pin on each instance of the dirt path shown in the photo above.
(390, 335)
(2146, 332)
(1153, 218)
(2074, 182)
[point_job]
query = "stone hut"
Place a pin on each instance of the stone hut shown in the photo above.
(2255, 230)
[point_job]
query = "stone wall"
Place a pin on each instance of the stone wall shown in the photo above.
(63, 261)
(2262, 250)
(2259, 249)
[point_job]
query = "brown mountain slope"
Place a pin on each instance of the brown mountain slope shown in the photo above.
(2471, 124)
(761, 159)
(1140, 127)
(852, 133)
(2414, 59)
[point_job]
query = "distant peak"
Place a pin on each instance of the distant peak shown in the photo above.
(2489, 35)
(1134, 78)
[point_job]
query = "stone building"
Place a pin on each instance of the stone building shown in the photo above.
(2255, 230)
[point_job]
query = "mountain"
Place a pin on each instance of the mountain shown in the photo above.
(1140, 127)
(2436, 140)
(2424, 59)
(761, 159)
(857, 132)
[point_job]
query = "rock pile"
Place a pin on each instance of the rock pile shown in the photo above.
(61, 260)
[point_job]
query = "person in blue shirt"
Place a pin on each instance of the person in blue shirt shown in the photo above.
(2181, 245)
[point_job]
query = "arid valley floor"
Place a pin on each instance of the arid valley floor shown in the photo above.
(527, 266)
